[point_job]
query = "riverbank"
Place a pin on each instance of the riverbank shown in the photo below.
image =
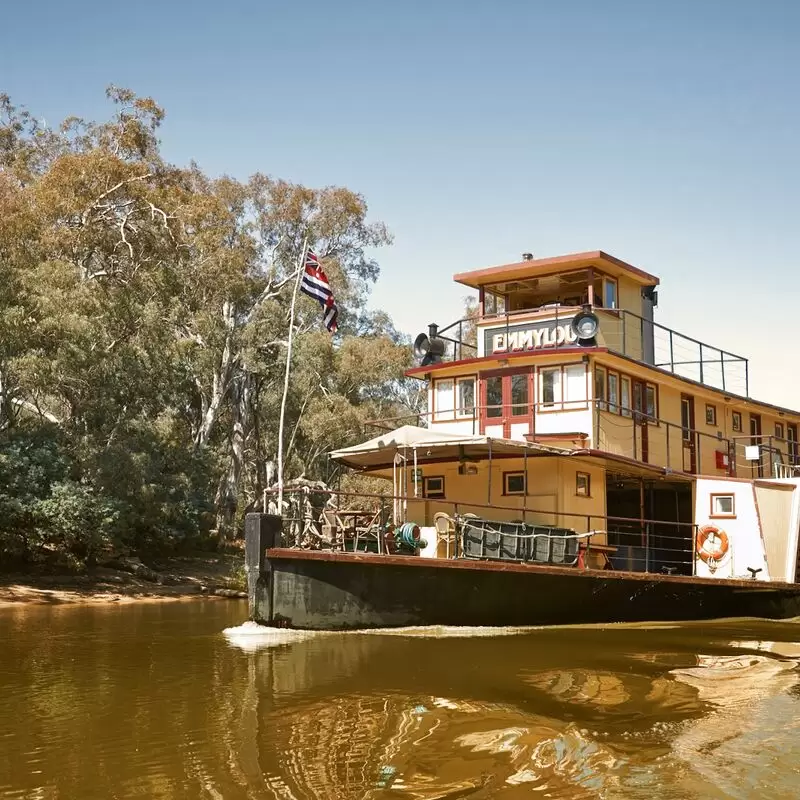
(189, 577)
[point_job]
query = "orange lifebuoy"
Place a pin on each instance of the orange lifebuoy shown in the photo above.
(719, 540)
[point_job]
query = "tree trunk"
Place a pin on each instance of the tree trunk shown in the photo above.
(227, 499)
(221, 381)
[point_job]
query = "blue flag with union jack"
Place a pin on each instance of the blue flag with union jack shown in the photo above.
(315, 284)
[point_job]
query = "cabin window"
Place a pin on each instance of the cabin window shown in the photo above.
(722, 505)
(574, 386)
(651, 405)
(625, 396)
(513, 483)
(433, 486)
(550, 386)
(443, 406)
(600, 387)
(609, 293)
(494, 397)
(613, 392)
(519, 395)
(737, 421)
(779, 430)
(711, 414)
(583, 484)
(791, 436)
(465, 395)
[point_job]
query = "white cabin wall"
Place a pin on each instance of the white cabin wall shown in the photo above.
(746, 545)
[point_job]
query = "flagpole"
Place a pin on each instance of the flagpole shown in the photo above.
(300, 270)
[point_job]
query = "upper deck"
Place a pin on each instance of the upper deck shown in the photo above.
(528, 307)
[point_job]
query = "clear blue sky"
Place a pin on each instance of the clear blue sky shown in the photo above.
(665, 133)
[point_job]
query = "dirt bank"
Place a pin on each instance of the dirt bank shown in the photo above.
(176, 579)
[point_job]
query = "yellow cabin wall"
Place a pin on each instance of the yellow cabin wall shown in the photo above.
(551, 498)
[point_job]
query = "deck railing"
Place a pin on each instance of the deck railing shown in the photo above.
(623, 332)
(328, 519)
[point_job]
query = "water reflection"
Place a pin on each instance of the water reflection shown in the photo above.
(155, 702)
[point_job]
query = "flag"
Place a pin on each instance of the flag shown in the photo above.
(315, 284)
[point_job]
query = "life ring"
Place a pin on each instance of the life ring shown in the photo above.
(722, 543)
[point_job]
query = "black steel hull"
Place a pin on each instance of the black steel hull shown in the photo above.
(336, 591)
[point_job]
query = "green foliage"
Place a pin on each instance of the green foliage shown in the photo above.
(143, 326)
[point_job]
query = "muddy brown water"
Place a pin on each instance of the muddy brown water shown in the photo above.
(153, 701)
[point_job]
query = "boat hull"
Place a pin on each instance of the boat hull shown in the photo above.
(322, 590)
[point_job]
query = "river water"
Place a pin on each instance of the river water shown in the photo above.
(153, 701)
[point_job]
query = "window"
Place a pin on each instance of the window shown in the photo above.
(722, 505)
(583, 484)
(519, 395)
(625, 396)
(494, 303)
(779, 430)
(574, 386)
(433, 487)
(550, 386)
(609, 293)
(613, 392)
(513, 483)
(737, 421)
(443, 407)
(600, 387)
(494, 397)
(711, 414)
(651, 407)
(465, 397)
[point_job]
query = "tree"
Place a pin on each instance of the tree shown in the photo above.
(146, 318)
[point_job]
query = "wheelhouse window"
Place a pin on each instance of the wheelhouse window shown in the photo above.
(711, 414)
(583, 484)
(465, 397)
(494, 303)
(514, 483)
(736, 421)
(610, 293)
(779, 430)
(550, 387)
(433, 486)
(443, 399)
(494, 396)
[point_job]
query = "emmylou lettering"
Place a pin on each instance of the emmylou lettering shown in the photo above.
(533, 339)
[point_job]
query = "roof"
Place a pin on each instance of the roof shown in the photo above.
(547, 266)
(380, 452)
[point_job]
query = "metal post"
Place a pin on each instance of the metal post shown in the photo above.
(624, 321)
(671, 351)
(722, 367)
(489, 482)
(746, 378)
(667, 426)
(644, 529)
(701, 363)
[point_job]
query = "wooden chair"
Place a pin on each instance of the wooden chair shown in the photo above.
(445, 532)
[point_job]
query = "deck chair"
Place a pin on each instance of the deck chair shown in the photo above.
(445, 532)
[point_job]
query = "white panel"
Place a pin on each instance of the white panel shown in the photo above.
(495, 430)
(519, 429)
(465, 427)
(444, 401)
(564, 422)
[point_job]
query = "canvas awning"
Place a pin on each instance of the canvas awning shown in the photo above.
(427, 444)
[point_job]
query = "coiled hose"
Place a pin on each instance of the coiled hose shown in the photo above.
(404, 536)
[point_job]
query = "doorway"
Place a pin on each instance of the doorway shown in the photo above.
(650, 524)
(756, 467)
(640, 419)
(505, 402)
(688, 434)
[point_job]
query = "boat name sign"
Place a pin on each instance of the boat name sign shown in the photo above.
(530, 336)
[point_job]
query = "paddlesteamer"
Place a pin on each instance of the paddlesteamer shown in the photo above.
(578, 463)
